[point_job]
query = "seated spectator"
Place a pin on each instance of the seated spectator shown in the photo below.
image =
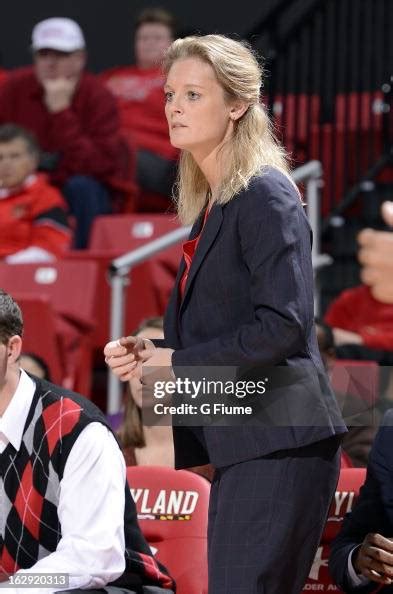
(148, 445)
(74, 118)
(140, 96)
(33, 217)
(363, 324)
(362, 420)
(358, 318)
(364, 315)
(361, 558)
(376, 258)
(34, 365)
(68, 509)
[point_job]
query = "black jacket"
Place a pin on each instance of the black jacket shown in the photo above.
(248, 303)
(373, 511)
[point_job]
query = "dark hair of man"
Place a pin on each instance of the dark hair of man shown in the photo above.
(11, 320)
(159, 16)
(10, 132)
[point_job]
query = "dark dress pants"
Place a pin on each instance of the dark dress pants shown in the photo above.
(266, 518)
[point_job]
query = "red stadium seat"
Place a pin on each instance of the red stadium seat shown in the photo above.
(150, 283)
(148, 286)
(123, 233)
(294, 116)
(346, 461)
(71, 288)
(119, 234)
(350, 481)
(129, 231)
(172, 512)
(40, 335)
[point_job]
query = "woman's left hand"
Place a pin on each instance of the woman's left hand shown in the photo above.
(157, 357)
(156, 366)
(156, 370)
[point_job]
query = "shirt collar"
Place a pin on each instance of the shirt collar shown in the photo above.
(29, 181)
(13, 421)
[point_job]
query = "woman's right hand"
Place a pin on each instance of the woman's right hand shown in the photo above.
(123, 356)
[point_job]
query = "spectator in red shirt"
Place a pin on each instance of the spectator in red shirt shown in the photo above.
(74, 118)
(358, 318)
(363, 316)
(140, 97)
(33, 218)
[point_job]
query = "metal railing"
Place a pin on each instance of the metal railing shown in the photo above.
(310, 174)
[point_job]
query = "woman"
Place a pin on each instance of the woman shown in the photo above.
(144, 445)
(243, 297)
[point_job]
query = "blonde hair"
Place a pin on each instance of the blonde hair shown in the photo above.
(252, 146)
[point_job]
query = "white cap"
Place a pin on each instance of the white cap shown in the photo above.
(62, 34)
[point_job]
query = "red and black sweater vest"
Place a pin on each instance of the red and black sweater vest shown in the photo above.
(30, 527)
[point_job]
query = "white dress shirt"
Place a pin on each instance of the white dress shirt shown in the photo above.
(91, 502)
(355, 579)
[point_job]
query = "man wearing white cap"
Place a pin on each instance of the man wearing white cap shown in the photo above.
(74, 118)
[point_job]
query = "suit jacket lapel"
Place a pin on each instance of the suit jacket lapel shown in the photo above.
(209, 233)
(173, 307)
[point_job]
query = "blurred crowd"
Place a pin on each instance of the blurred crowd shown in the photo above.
(74, 145)
(79, 144)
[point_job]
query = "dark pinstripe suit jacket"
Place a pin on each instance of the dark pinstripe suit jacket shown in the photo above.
(248, 302)
(373, 511)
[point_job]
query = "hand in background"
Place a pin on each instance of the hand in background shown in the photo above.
(387, 212)
(346, 337)
(376, 257)
(58, 93)
(374, 559)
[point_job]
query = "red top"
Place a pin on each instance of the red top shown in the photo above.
(189, 249)
(141, 102)
(3, 75)
(356, 310)
(33, 215)
(86, 135)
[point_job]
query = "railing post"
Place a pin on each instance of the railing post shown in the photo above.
(118, 281)
(313, 213)
(119, 278)
(313, 185)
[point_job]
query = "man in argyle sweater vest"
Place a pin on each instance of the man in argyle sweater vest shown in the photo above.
(31, 475)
